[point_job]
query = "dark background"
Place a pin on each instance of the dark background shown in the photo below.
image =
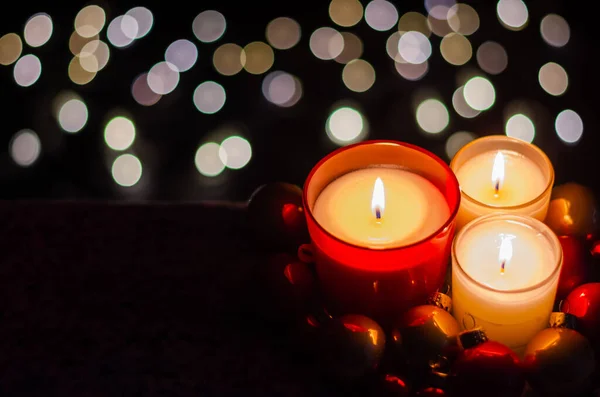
(286, 142)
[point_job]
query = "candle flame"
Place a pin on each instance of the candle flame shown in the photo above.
(506, 252)
(498, 172)
(378, 200)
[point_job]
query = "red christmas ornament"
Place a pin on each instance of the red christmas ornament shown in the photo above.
(575, 267)
(393, 386)
(431, 392)
(485, 368)
(584, 303)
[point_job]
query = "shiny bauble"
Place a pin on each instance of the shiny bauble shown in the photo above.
(559, 362)
(350, 347)
(390, 385)
(424, 333)
(575, 268)
(276, 216)
(572, 210)
(584, 303)
(487, 369)
(432, 392)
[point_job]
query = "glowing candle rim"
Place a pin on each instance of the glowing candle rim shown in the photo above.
(503, 138)
(448, 222)
(539, 226)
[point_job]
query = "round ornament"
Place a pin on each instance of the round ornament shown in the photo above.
(572, 210)
(575, 269)
(276, 216)
(584, 303)
(391, 385)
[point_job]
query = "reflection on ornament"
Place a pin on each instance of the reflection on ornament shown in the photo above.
(572, 210)
(584, 303)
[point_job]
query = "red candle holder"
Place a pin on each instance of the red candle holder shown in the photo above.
(380, 282)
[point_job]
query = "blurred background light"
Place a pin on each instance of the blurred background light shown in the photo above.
(235, 152)
(439, 27)
(28, 70)
(353, 48)
(439, 8)
(94, 56)
(391, 47)
(456, 49)
(492, 57)
(326, 43)
(119, 133)
(163, 78)
(381, 15)
(513, 14)
(479, 93)
(77, 42)
(282, 89)
(345, 13)
(412, 71)
(144, 21)
(346, 125)
(414, 21)
(25, 148)
(122, 31)
(73, 115)
(569, 126)
(555, 30)
(553, 79)
(182, 54)
(127, 170)
(209, 97)
(461, 106)
(209, 26)
(358, 75)
(432, 116)
(11, 47)
(229, 59)
(456, 141)
(259, 57)
(463, 19)
(142, 93)
(208, 159)
(78, 74)
(521, 127)
(414, 47)
(90, 21)
(283, 33)
(38, 30)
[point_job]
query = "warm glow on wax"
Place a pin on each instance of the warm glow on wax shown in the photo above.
(505, 253)
(498, 172)
(378, 199)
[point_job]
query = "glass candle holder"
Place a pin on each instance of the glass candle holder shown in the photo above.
(502, 174)
(505, 271)
(379, 261)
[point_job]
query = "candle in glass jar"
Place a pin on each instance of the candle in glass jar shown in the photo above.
(505, 271)
(502, 174)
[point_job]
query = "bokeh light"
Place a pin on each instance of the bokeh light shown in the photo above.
(414, 21)
(119, 133)
(358, 75)
(182, 54)
(163, 78)
(432, 116)
(439, 27)
(283, 33)
(209, 26)
(569, 126)
(77, 42)
(94, 56)
(27, 70)
(456, 141)
(521, 127)
(282, 89)
(353, 48)
(11, 47)
(127, 170)
(38, 30)
(122, 31)
(456, 49)
(209, 97)
(555, 30)
(479, 93)
(345, 13)
(414, 47)
(144, 19)
(25, 148)
(463, 19)
(73, 115)
(208, 159)
(391, 47)
(259, 57)
(142, 93)
(553, 78)
(326, 43)
(228, 58)
(381, 15)
(78, 74)
(412, 71)
(461, 106)
(439, 8)
(235, 152)
(492, 57)
(346, 125)
(513, 14)
(90, 21)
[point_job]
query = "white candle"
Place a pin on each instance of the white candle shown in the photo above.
(499, 173)
(505, 271)
(410, 207)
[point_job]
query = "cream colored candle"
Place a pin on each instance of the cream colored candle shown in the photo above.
(381, 207)
(502, 174)
(505, 271)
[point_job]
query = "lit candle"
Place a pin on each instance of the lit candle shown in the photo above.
(502, 174)
(380, 215)
(505, 271)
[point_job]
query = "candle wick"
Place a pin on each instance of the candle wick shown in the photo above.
(502, 267)
(497, 186)
(377, 213)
